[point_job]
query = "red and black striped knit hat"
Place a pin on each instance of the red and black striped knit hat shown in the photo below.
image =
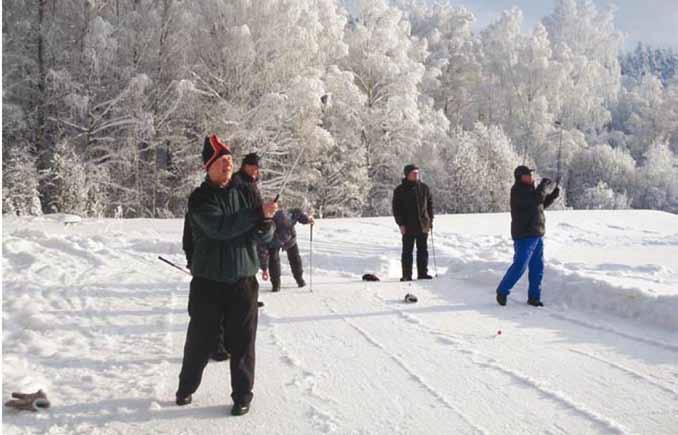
(212, 149)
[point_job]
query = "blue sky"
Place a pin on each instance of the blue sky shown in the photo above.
(651, 21)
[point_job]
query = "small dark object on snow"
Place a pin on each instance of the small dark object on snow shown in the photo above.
(240, 409)
(29, 402)
(535, 302)
(410, 298)
(501, 299)
(183, 401)
(499, 332)
(220, 356)
(260, 304)
(370, 277)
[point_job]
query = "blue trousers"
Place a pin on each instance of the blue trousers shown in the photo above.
(529, 253)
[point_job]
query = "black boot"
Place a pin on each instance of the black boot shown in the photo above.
(301, 283)
(184, 400)
(240, 409)
(501, 299)
(406, 264)
(425, 276)
(535, 302)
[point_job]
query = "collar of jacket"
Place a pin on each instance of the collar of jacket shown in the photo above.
(525, 186)
(407, 182)
(212, 185)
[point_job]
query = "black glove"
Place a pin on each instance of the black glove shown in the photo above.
(546, 182)
(264, 226)
(556, 192)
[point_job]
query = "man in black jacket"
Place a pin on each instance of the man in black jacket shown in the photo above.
(413, 212)
(528, 226)
(246, 180)
(226, 225)
(249, 174)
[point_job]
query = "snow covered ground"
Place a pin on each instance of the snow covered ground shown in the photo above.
(93, 318)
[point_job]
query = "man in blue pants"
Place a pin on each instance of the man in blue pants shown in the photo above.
(528, 226)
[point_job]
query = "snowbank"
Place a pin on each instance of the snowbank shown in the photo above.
(623, 263)
(575, 289)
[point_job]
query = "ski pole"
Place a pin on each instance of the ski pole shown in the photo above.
(311, 260)
(433, 245)
(287, 177)
(560, 152)
(164, 260)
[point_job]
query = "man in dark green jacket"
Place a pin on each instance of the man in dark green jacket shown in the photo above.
(226, 225)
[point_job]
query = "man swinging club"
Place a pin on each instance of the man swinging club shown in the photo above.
(528, 226)
(226, 225)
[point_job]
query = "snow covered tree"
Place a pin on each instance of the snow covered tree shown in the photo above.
(601, 197)
(520, 81)
(586, 45)
(646, 60)
(340, 184)
(499, 161)
(20, 181)
(453, 70)
(132, 88)
(615, 167)
(68, 178)
(454, 171)
(475, 173)
(388, 68)
(259, 75)
(658, 180)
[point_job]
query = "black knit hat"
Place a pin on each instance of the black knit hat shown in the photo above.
(522, 170)
(409, 168)
(252, 159)
(212, 149)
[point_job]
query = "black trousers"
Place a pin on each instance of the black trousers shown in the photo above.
(295, 264)
(422, 254)
(209, 304)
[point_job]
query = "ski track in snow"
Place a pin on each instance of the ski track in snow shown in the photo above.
(630, 371)
(305, 380)
(427, 386)
(486, 361)
(603, 421)
(604, 328)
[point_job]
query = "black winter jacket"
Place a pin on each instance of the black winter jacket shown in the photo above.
(226, 224)
(527, 209)
(413, 207)
(240, 180)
